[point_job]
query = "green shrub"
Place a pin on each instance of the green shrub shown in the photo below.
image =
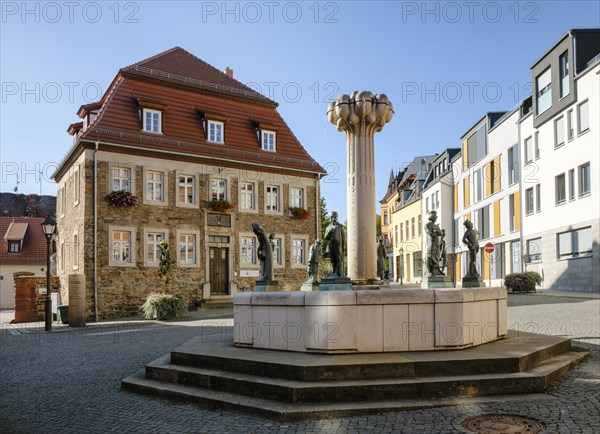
(522, 282)
(163, 306)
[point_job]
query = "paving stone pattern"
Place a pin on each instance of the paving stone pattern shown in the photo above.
(69, 382)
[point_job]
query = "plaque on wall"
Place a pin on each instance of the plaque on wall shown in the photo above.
(222, 220)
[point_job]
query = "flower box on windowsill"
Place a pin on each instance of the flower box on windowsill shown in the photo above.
(121, 199)
(220, 205)
(299, 213)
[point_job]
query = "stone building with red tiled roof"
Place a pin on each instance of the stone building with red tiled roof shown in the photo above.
(187, 140)
(22, 248)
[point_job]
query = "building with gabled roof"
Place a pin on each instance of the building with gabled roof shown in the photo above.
(205, 156)
(22, 248)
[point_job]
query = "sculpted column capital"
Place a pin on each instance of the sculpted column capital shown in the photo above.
(360, 112)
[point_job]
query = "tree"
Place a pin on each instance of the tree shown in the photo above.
(378, 225)
(325, 220)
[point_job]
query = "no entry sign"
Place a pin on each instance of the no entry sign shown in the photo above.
(489, 248)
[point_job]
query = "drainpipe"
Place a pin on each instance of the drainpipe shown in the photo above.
(95, 198)
(317, 205)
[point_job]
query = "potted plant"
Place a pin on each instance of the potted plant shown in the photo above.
(220, 205)
(299, 212)
(121, 199)
(522, 282)
(161, 305)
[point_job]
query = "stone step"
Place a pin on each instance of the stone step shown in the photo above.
(138, 382)
(516, 353)
(293, 391)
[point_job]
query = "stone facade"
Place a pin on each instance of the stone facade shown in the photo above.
(123, 288)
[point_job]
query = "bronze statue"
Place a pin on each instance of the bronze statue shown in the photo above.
(471, 239)
(381, 253)
(264, 253)
(314, 257)
(336, 235)
(436, 262)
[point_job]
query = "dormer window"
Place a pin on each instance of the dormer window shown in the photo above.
(215, 131)
(266, 135)
(14, 247)
(152, 121)
(151, 111)
(269, 140)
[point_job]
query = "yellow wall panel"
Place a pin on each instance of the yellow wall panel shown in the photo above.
(465, 155)
(457, 270)
(467, 191)
(497, 225)
(455, 197)
(517, 212)
(488, 178)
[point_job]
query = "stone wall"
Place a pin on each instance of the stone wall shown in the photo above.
(29, 303)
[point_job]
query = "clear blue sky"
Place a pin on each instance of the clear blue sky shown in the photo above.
(442, 64)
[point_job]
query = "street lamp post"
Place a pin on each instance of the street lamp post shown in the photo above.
(48, 228)
(401, 264)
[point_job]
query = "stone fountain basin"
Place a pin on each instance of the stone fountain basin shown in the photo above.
(373, 321)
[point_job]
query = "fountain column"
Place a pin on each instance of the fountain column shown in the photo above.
(361, 115)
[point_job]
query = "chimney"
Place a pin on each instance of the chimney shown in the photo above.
(228, 72)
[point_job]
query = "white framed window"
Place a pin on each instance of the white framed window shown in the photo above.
(297, 197)
(427, 205)
(268, 140)
(298, 250)
(407, 230)
(570, 126)
(247, 196)
(218, 189)
(571, 184)
(534, 250)
(186, 190)
(76, 187)
(412, 227)
(512, 212)
(585, 185)
(248, 251)
(155, 186)
(529, 201)
(538, 198)
(528, 149)
(272, 198)
(559, 132)
(583, 120)
(121, 178)
(61, 262)
(215, 131)
(575, 243)
(385, 218)
(122, 246)
(14, 247)
(478, 186)
(396, 237)
(537, 145)
(544, 91)
(186, 248)
(560, 189)
(152, 121)
(153, 238)
(278, 258)
(75, 251)
(437, 200)
(419, 225)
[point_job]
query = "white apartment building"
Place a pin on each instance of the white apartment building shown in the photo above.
(560, 151)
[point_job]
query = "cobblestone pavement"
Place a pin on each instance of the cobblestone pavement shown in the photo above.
(68, 381)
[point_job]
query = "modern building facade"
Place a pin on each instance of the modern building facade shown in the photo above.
(560, 153)
(205, 156)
